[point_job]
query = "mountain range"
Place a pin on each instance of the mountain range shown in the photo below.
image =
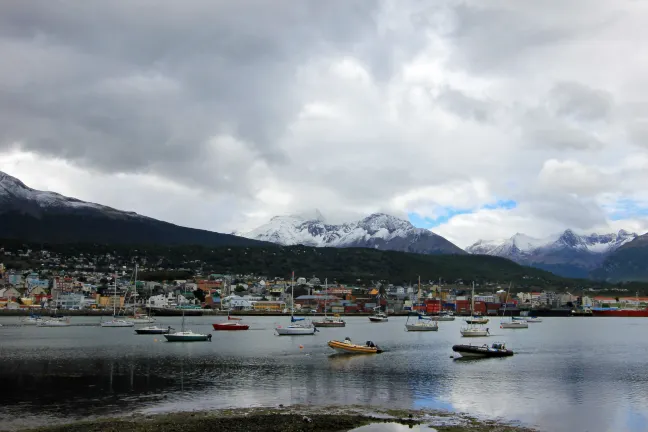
(376, 231)
(567, 254)
(48, 217)
(39, 216)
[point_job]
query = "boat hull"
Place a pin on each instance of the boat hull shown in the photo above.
(185, 338)
(149, 331)
(230, 326)
(54, 323)
(329, 323)
(141, 320)
(480, 352)
(421, 328)
(295, 331)
(117, 324)
(346, 348)
(474, 333)
(514, 325)
(444, 318)
(378, 319)
(477, 321)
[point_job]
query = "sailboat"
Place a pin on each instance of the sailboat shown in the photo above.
(472, 330)
(423, 323)
(295, 329)
(116, 322)
(335, 320)
(512, 324)
(187, 335)
(475, 318)
(139, 318)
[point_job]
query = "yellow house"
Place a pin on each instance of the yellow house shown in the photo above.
(110, 301)
(270, 306)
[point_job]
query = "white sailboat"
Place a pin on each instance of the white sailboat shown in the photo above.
(139, 318)
(295, 328)
(422, 323)
(512, 324)
(187, 335)
(474, 317)
(116, 322)
(472, 329)
(335, 320)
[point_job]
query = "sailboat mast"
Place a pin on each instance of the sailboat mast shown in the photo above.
(472, 300)
(115, 296)
(325, 295)
(292, 296)
(135, 291)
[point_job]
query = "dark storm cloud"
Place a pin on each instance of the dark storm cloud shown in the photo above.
(142, 86)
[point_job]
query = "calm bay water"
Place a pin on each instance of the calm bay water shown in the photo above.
(568, 374)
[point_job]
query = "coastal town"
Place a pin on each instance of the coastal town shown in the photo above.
(82, 289)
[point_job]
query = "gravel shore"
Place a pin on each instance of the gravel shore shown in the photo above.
(288, 419)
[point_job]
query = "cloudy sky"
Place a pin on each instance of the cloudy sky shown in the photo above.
(475, 119)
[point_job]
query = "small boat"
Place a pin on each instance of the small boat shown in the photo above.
(498, 349)
(187, 335)
(519, 323)
(515, 324)
(330, 322)
(141, 319)
(334, 321)
(153, 330)
(473, 331)
(295, 329)
(445, 316)
(114, 323)
(349, 347)
(54, 323)
(528, 319)
(476, 319)
(31, 320)
(230, 326)
(231, 317)
(422, 324)
(379, 317)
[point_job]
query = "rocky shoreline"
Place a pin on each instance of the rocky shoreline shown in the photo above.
(283, 419)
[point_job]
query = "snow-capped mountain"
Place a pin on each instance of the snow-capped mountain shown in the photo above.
(380, 231)
(39, 216)
(567, 254)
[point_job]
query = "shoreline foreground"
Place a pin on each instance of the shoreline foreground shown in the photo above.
(284, 419)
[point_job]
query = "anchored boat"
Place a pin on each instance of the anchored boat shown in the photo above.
(498, 349)
(379, 317)
(349, 347)
(153, 330)
(187, 336)
(445, 316)
(295, 329)
(421, 324)
(512, 323)
(334, 321)
(230, 326)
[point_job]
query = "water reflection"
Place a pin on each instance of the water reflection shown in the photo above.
(559, 380)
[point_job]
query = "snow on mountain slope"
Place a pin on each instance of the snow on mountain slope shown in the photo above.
(568, 254)
(380, 231)
(15, 195)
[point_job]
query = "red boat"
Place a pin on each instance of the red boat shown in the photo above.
(621, 313)
(230, 326)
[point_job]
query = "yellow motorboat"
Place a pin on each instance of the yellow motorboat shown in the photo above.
(350, 348)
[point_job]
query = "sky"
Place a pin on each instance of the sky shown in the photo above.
(475, 119)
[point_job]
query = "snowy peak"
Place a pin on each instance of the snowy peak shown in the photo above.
(379, 231)
(558, 253)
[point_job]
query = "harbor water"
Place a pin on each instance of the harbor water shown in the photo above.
(568, 374)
